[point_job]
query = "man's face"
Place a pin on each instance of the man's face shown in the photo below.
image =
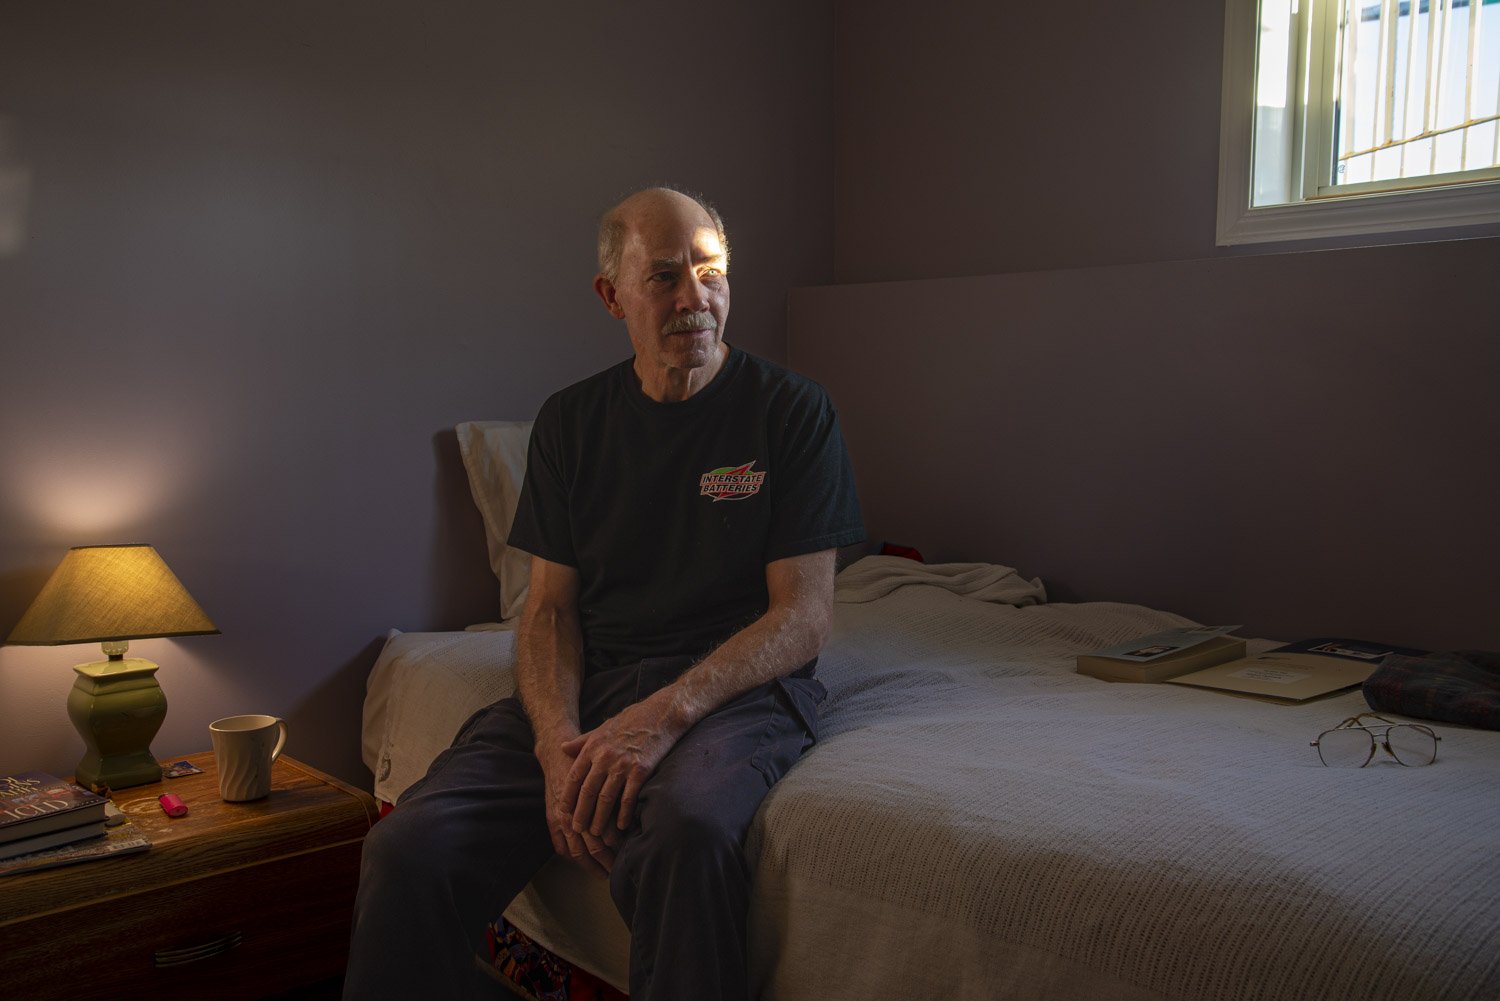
(672, 289)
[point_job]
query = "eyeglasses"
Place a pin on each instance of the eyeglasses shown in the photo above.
(1352, 744)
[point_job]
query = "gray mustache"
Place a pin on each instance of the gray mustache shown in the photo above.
(692, 321)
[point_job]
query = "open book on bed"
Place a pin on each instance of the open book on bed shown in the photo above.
(1296, 672)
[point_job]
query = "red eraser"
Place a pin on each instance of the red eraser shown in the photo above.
(173, 805)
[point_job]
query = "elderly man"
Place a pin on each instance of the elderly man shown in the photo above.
(682, 510)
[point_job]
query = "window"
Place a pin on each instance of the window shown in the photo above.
(1346, 117)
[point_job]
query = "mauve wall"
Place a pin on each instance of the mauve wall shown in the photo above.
(1302, 442)
(980, 138)
(1221, 438)
(255, 263)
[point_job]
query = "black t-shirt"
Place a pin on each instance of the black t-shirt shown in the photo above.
(671, 511)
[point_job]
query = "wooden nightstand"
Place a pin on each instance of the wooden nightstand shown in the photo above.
(263, 891)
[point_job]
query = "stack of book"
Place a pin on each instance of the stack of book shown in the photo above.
(40, 811)
(1163, 656)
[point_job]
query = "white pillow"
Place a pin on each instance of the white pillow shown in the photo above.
(421, 689)
(494, 454)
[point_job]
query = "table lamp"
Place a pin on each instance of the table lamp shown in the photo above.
(110, 595)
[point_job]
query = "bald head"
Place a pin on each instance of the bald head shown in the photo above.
(621, 219)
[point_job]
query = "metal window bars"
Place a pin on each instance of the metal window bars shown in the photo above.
(1425, 100)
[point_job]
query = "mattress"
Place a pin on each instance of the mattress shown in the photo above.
(980, 821)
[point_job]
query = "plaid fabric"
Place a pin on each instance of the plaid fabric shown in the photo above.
(538, 974)
(1459, 687)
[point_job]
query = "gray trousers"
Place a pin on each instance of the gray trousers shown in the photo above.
(470, 835)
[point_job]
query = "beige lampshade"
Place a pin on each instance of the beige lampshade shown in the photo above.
(99, 594)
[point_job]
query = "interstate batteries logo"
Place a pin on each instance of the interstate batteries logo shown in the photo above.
(731, 482)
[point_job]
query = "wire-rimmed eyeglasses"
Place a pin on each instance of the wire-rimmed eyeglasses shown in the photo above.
(1352, 743)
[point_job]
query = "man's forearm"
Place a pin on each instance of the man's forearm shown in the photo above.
(614, 760)
(549, 671)
(777, 643)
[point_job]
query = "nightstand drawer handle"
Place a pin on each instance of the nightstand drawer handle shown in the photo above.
(193, 953)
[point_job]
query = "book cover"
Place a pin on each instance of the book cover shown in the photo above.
(65, 836)
(1297, 671)
(33, 803)
(122, 839)
(1163, 655)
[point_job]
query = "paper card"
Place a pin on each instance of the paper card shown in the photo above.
(1272, 674)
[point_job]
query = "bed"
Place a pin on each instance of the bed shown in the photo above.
(979, 821)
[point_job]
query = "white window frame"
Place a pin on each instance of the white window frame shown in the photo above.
(1453, 209)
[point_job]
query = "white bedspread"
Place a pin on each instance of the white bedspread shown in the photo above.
(979, 821)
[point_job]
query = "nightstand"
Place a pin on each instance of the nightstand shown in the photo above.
(235, 901)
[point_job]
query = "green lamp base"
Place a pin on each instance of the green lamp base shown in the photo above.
(117, 707)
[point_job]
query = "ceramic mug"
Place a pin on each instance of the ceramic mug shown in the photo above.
(244, 748)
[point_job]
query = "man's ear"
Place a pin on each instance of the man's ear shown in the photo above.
(606, 291)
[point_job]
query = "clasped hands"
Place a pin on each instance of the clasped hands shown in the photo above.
(593, 781)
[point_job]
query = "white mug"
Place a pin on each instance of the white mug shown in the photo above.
(244, 748)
